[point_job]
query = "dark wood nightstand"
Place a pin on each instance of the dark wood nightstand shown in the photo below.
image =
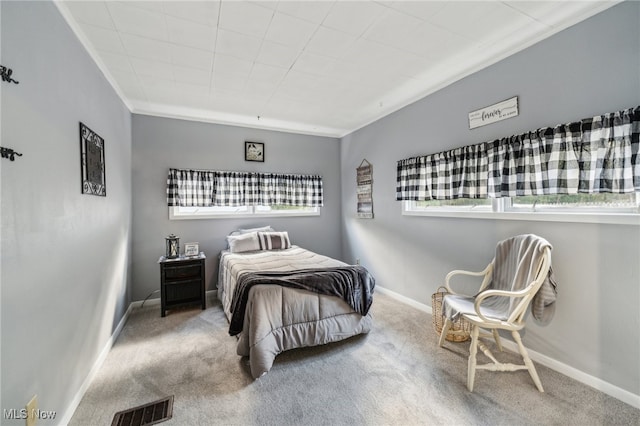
(182, 282)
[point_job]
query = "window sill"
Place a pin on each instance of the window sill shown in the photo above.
(173, 216)
(602, 218)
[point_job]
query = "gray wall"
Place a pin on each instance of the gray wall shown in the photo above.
(163, 143)
(589, 69)
(65, 256)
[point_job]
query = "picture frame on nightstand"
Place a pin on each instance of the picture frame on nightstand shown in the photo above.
(191, 249)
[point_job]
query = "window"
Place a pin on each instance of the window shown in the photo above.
(207, 194)
(285, 210)
(576, 203)
(591, 208)
(460, 204)
(178, 213)
(595, 160)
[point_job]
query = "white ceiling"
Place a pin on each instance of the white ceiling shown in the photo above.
(317, 67)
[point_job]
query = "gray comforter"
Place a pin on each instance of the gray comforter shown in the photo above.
(279, 318)
(353, 284)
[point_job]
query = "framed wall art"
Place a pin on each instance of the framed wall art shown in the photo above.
(253, 151)
(92, 162)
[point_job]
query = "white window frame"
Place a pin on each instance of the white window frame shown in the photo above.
(502, 209)
(188, 213)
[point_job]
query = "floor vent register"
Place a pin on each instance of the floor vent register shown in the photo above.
(147, 414)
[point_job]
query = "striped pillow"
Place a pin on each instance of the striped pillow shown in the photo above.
(274, 240)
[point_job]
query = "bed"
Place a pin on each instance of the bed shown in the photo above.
(281, 310)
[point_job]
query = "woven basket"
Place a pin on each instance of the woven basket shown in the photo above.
(460, 330)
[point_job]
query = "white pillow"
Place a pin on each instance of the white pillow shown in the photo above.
(260, 229)
(243, 242)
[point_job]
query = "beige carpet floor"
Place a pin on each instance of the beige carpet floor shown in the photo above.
(395, 375)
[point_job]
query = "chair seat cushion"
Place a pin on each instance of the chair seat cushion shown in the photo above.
(455, 305)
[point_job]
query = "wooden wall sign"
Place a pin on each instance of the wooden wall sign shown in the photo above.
(364, 180)
(493, 113)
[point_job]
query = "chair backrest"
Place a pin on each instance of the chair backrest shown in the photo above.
(522, 265)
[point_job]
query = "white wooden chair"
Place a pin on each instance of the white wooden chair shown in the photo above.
(509, 284)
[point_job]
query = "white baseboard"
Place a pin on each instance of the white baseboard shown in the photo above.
(404, 299)
(589, 380)
(148, 302)
(156, 301)
(71, 408)
(569, 371)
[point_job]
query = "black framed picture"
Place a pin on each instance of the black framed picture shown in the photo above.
(92, 162)
(253, 151)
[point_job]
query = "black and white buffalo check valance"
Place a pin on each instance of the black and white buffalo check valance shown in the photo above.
(599, 154)
(206, 188)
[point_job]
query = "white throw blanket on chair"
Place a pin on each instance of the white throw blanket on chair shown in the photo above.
(515, 265)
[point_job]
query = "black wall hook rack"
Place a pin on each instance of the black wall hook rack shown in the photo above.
(9, 153)
(6, 72)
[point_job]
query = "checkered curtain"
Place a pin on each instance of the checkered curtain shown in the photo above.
(203, 188)
(600, 154)
(458, 173)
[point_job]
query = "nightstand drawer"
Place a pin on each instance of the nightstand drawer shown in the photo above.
(183, 291)
(182, 271)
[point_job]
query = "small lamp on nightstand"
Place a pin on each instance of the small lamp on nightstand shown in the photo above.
(172, 247)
